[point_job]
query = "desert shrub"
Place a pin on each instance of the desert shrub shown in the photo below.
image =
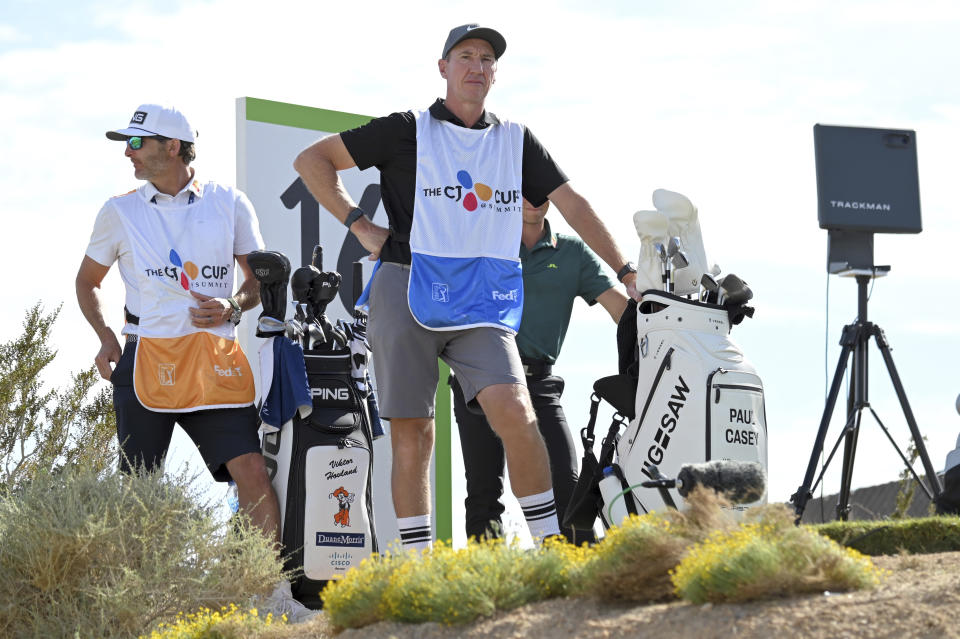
(633, 561)
(886, 537)
(451, 586)
(769, 557)
(229, 622)
(356, 600)
(83, 554)
(46, 430)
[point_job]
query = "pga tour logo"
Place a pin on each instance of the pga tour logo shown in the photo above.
(510, 296)
(440, 292)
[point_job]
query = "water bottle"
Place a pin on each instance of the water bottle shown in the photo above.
(614, 509)
(233, 498)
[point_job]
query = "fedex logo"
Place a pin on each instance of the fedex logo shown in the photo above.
(510, 296)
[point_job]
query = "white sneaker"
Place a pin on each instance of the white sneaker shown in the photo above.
(281, 602)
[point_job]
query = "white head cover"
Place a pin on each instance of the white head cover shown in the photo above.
(675, 216)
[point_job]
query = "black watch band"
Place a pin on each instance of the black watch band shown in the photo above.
(629, 267)
(353, 216)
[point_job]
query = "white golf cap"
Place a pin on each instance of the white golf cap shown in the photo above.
(153, 119)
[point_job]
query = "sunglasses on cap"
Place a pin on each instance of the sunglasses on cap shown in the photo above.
(136, 142)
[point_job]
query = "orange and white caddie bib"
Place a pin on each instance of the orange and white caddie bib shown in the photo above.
(179, 367)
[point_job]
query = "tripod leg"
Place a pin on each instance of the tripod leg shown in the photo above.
(932, 478)
(849, 453)
(906, 462)
(800, 498)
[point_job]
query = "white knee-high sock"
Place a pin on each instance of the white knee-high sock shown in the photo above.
(415, 532)
(540, 511)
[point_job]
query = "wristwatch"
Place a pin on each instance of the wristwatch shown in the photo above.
(236, 314)
(353, 216)
(629, 267)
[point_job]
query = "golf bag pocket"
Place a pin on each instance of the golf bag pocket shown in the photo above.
(736, 420)
(337, 404)
(336, 526)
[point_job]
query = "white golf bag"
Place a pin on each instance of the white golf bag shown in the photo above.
(698, 398)
(690, 396)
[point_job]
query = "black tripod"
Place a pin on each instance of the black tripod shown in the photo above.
(855, 339)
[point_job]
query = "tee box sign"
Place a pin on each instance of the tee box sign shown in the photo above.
(270, 135)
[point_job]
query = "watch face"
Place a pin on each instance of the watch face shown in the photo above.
(235, 316)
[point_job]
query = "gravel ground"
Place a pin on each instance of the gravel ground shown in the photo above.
(920, 598)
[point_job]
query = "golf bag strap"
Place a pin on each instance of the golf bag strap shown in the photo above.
(609, 443)
(587, 436)
(130, 317)
(628, 499)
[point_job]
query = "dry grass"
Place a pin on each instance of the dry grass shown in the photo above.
(769, 557)
(448, 585)
(89, 556)
(634, 560)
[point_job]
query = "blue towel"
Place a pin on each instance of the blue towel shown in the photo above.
(289, 388)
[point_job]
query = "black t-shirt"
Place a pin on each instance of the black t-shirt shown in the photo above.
(390, 144)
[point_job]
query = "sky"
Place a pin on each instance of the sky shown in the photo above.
(715, 100)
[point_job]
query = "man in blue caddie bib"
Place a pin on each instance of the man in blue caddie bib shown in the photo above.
(449, 283)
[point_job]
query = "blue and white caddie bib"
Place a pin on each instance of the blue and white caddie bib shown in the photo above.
(467, 221)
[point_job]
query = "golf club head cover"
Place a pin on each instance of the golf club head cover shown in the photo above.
(651, 228)
(738, 312)
(683, 222)
(740, 482)
(272, 270)
(324, 290)
(301, 282)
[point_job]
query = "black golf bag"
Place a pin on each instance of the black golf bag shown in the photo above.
(320, 420)
(321, 468)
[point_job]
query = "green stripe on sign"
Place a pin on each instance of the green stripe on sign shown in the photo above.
(302, 117)
(443, 467)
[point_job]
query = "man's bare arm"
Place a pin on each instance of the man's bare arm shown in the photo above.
(212, 311)
(614, 301)
(248, 295)
(89, 278)
(318, 165)
(584, 220)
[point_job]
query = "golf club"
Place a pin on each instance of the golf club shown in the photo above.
(710, 286)
(662, 254)
(673, 247)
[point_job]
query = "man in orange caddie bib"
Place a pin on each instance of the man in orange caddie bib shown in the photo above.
(176, 241)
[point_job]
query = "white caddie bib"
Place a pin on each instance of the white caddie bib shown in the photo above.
(467, 219)
(178, 367)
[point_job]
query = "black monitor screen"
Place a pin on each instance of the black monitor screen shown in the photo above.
(867, 179)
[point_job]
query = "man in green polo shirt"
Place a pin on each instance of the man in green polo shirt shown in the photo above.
(557, 269)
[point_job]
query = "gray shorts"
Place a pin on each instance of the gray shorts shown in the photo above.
(405, 353)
